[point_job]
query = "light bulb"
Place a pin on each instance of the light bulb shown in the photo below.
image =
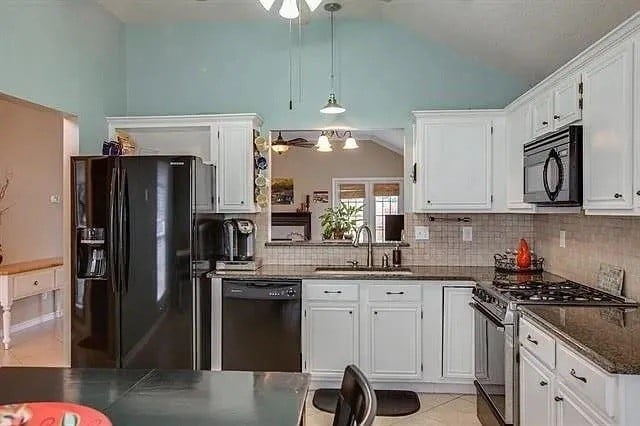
(267, 3)
(289, 9)
(313, 4)
(350, 143)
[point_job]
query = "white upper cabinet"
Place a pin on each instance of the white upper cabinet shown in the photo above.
(235, 171)
(458, 340)
(542, 114)
(567, 97)
(636, 125)
(453, 156)
(518, 133)
(608, 130)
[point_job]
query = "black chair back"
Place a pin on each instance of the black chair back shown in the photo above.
(357, 403)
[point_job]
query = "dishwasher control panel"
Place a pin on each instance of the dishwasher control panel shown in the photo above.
(262, 290)
(290, 292)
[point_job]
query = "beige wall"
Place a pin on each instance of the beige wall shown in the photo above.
(31, 148)
(590, 240)
(313, 171)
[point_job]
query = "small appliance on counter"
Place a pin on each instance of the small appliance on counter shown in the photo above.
(239, 246)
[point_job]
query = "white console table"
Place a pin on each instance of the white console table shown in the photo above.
(25, 279)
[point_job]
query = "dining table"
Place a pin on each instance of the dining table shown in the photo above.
(165, 397)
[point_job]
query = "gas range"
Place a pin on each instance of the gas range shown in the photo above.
(507, 291)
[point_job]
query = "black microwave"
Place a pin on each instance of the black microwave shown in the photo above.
(553, 169)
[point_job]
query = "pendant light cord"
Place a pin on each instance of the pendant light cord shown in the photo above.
(290, 65)
(333, 88)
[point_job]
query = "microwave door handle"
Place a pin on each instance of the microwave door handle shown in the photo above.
(553, 156)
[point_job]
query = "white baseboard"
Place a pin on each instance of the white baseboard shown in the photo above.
(33, 322)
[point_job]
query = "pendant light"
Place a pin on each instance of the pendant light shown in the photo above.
(350, 143)
(332, 106)
(279, 145)
(323, 144)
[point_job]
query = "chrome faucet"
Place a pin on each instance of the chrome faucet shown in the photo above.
(369, 243)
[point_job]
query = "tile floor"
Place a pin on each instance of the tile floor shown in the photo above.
(42, 346)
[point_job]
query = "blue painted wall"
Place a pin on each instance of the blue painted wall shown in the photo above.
(385, 72)
(65, 54)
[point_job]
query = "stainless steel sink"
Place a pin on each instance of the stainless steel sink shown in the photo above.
(348, 270)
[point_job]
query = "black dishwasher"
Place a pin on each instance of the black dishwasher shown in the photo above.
(261, 325)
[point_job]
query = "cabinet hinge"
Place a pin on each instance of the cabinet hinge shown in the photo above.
(218, 133)
(491, 129)
(422, 367)
(305, 365)
(421, 314)
(305, 313)
(581, 88)
(580, 103)
(491, 198)
(518, 358)
(414, 173)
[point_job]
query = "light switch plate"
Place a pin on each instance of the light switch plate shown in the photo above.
(467, 233)
(563, 239)
(54, 199)
(422, 233)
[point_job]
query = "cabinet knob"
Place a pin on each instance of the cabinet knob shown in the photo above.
(616, 195)
(428, 201)
(36, 283)
(545, 123)
(543, 383)
(558, 398)
(350, 312)
(638, 193)
(241, 202)
(375, 312)
(556, 117)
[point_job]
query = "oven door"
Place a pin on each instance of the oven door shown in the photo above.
(493, 367)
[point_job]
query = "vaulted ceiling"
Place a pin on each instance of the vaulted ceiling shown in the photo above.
(527, 38)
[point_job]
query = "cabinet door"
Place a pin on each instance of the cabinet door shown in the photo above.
(458, 340)
(571, 411)
(636, 131)
(331, 336)
(542, 114)
(536, 397)
(235, 168)
(607, 130)
(566, 102)
(456, 170)
(204, 177)
(395, 341)
(518, 133)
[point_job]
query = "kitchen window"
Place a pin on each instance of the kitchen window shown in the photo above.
(378, 196)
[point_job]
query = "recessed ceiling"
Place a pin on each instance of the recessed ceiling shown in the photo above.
(526, 38)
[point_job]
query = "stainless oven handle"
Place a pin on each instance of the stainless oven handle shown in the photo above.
(488, 315)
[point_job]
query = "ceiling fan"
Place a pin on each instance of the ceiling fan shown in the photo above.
(281, 146)
(289, 8)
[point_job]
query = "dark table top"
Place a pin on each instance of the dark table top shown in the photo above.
(157, 397)
(609, 337)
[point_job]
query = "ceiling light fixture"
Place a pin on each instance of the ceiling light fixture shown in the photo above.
(332, 106)
(324, 144)
(350, 143)
(289, 8)
(279, 145)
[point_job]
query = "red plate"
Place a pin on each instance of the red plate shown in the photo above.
(51, 414)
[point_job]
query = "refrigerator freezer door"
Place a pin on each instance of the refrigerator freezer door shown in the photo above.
(94, 301)
(158, 293)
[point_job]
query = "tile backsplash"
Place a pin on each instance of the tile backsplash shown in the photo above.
(590, 240)
(492, 233)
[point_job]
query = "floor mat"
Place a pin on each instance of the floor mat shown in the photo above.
(391, 403)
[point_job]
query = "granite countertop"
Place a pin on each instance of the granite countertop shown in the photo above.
(165, 397)
(607, 336)
(32, 265)
(423, 273)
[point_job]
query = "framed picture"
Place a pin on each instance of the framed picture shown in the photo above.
(321, 197)
(282, 191)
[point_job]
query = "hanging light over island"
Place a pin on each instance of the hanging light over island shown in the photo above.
(332, 106)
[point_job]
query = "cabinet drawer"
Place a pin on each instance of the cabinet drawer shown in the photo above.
(539, 343)
(330, 290)
(587, 379)
(32, 283)
(395, 293)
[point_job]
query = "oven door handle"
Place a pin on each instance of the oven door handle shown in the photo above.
(488, 315)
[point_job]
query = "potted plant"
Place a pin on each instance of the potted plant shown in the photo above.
(339, 222)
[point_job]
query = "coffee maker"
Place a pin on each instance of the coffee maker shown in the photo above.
(239, 246)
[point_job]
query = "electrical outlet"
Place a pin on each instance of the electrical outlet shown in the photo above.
(563, 239)
(54, 199)
(422, 233)
(467, 233)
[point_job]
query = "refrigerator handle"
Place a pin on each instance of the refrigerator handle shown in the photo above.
(123, 240)
(112, 232)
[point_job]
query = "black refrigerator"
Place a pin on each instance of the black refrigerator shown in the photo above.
(143, 236)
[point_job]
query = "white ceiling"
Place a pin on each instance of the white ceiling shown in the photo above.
(526, 38)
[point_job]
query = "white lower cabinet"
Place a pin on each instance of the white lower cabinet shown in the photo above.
(458, 328)
(536, 392)
(571, 411)
(395, 341)
(331, 330)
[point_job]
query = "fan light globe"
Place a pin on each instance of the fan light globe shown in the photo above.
(350, 143)
(289, 9)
